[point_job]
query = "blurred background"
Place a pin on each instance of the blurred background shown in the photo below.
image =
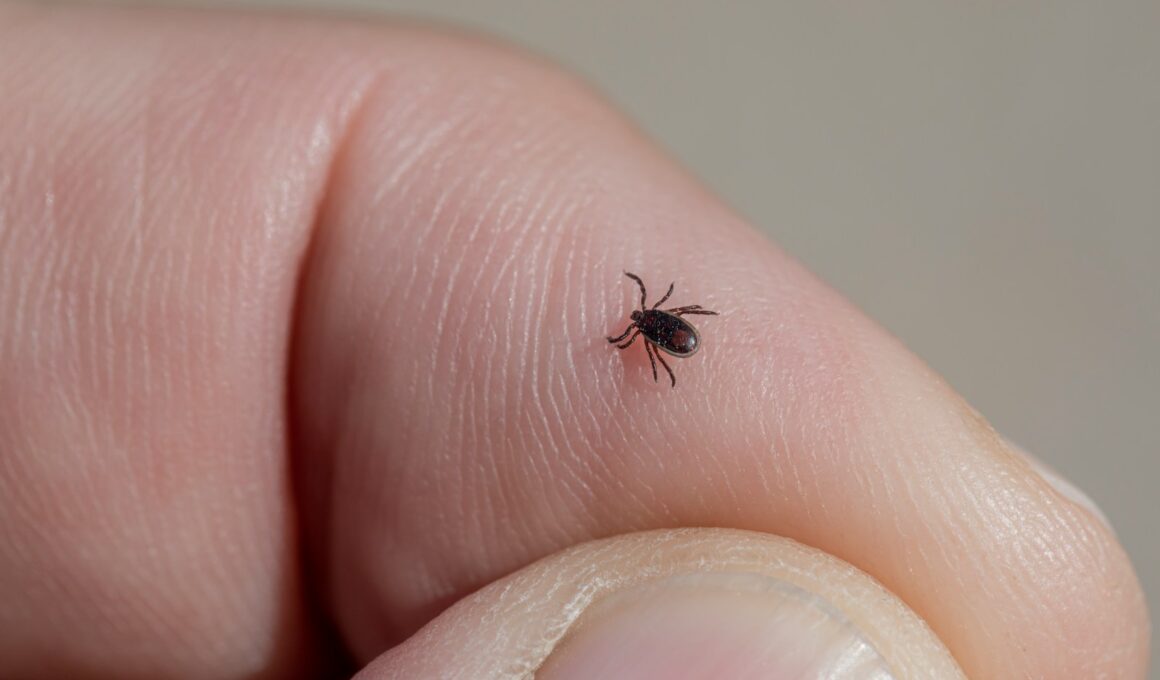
(981, 178)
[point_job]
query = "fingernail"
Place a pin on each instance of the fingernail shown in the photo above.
(1064, 487)
(715, 625)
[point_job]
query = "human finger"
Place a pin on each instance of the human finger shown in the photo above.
(461, 414)
(159, 173)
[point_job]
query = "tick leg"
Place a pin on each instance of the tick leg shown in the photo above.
(683, 308)
(630, 341)
(666, 297)
(624, 334)
(640, 283)
(671, 376)
(695, 311)
(649, 350)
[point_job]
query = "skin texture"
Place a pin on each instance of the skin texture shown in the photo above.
(303, 340)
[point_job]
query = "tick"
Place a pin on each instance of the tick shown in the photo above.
(663, 329)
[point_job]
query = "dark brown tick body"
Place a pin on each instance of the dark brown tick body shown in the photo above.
(662, 329)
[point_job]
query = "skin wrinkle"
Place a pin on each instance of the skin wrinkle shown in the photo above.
(643, 496)
(534, 404)
(907, 497)
(915, 479)
(508, 331)
(780, 448)
(949, 538)
(553, 240)
(540, 240)
(581, 413)
(348, 115)
(638, 492)
(985, 560)
(474, 507)
(440, 334)
(599, 442)
(575, 483)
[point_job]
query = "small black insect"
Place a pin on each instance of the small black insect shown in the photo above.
(662, 329)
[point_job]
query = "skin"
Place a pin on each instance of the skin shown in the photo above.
(303, 340)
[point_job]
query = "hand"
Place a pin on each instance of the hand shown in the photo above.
(302, 342)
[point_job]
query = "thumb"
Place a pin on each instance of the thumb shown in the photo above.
(680, 604)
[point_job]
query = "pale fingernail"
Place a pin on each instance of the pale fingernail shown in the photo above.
(1058, 482)
(714, 625)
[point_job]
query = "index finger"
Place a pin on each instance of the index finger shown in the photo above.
(461, 413)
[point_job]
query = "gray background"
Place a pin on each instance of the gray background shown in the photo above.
(983, 179)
